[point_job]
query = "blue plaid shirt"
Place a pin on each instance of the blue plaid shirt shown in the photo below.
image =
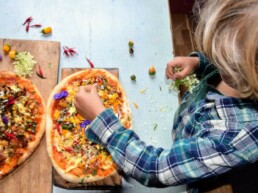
(211, 135)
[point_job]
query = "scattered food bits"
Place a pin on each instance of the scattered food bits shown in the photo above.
(46, 30)
(152, 71)
(133, 77)
(131, 44)
(131, 51)
(12, 54)
(135, 105)
(6, 48)
(155, 125)
(143, 91)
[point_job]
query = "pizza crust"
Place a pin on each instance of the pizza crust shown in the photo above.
(49, 123)
(32, 146)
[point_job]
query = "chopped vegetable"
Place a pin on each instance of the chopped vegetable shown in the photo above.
(130, 44)
(1, 57)
(12, 54)
(24, 64)
(131, 51)
(46, 30)
(189, 81)
(133, 77)
(152, 71)
(10, 135)
(6, 48)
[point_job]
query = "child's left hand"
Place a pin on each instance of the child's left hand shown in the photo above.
(88, 103)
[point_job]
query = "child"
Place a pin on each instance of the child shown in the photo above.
(216, 126)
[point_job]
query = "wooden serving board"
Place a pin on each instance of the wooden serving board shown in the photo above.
(34, 175)
(107, 183)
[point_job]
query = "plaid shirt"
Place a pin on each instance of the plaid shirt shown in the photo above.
(210, 136)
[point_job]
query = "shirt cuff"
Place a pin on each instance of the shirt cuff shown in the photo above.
(202, 64)
(102, 127)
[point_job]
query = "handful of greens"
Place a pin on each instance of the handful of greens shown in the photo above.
(189, 82)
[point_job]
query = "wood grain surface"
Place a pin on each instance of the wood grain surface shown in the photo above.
(107, 183)
(34, 175)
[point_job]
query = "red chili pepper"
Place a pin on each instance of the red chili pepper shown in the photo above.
(90, 63)
(11, 135)
(27, 27)
(36, 25)
(40, 73)
(58, 128)
(69, 51)
(28, 20)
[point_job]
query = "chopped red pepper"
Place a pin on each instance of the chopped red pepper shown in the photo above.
(28, 20)
(69, 149)
(90, 63)
(11, 101)
(58, 128)
(69, 51)
(40, 73)
(11, 135)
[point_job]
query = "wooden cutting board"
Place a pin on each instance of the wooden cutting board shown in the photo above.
(34, 175)
(107, 183)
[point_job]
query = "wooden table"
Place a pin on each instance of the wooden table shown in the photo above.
(101, 30)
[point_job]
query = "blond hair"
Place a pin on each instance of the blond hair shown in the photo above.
(227, 33)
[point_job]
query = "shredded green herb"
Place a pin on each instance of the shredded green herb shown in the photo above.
(24, 64)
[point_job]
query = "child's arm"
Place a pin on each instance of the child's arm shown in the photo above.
(188, 159)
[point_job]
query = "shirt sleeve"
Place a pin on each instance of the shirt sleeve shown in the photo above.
(205, 66)
(186, 161)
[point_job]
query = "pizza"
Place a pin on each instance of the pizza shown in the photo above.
(75, 158)
(22, 120)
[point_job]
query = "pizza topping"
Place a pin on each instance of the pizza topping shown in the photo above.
(61, 95)
(24, 64)
(5, 120)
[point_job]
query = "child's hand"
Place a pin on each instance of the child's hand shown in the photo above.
(187, 66)
(87, 102)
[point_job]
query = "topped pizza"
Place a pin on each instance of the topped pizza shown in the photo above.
(22, 120)
(74, 157)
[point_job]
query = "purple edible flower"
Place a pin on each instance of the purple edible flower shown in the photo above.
(1, 57)
(5, 120)
(84, 123)
(61, 95)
